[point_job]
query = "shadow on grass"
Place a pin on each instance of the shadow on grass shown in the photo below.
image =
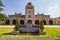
(7, 34)
(32, 34)
(20, 35)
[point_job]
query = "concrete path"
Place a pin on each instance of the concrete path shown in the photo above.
(44, 25)
(7, 25)
(29, 39)
(51, 25)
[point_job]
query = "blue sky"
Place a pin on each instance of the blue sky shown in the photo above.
(48, 7)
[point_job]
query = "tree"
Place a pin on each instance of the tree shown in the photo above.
(16, 29)
(1, 6)
(17, 26)
(41, 25)
(3, 17)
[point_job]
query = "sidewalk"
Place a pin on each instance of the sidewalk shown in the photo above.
(44, 25)
(29, 39)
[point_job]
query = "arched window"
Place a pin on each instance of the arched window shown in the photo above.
(37, 22)
(14, 22)
(22, 22)
(44, 22)
(29, 21)
(50, 22)
(7, 22)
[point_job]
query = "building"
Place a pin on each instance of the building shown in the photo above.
(30, 17)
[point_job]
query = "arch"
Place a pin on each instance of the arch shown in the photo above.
(7, 22)
(29, 21)
(50, 22)
(37, 22)
(44, 22)
(14, 22)
(22, 22)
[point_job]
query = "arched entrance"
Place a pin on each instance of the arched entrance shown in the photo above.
(14, 22)
(37, 22)
(50, 22)
(22, 22)
(44, 22)
(29, 21)
(7, 22)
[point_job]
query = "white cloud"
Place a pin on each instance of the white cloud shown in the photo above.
(53, 11)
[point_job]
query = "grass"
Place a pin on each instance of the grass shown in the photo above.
(51, 32)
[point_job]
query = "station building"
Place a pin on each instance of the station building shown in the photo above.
(30, 17)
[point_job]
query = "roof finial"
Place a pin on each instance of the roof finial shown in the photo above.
(29, 3)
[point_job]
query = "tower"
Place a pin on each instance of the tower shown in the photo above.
(29, 13)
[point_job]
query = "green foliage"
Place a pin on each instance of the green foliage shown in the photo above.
(41, 25)
(1, 5)
(1, 9)
(3, 17)
(17, 25)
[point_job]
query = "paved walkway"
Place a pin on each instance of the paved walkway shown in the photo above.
(7, 25)
(44, 25)
(29, 39)
(51, 25)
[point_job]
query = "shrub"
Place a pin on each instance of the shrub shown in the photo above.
(41, 25)
(2, 17)
(17, 25)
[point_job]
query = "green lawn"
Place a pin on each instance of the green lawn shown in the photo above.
(51, 32)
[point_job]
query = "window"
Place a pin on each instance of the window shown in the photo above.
(29, 14)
